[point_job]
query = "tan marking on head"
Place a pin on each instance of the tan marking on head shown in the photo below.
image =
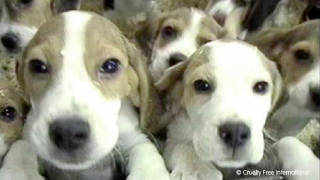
(48, 51)
(10, 130)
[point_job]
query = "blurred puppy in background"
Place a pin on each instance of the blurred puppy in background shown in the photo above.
(173, 36)
(296, 52)
(20, 20)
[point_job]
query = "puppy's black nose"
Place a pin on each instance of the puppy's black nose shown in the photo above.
(10, 41)
(69, 134)
(176, 58)
(234, 134)
(315, 97)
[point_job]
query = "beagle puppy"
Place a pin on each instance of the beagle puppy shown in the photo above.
(214, 125)
(212, 109)
(20, 20)
(173, 36)
(90, 94)
(296, 52)
(12, 113)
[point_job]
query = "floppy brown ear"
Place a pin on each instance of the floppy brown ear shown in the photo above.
(148, 31)
(171, 76)
(143, 93)
(60, 6)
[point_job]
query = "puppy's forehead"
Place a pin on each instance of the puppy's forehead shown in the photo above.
(235, 53)
(60, 30)
(230, 55)
(101, 32)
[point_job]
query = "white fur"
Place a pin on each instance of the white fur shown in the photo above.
(144, 161)
(233, 100)
(223, 6)
(74, 94)
(20, 163)
(186, 44)
(296, 156)
(299, 92)
(3, 148)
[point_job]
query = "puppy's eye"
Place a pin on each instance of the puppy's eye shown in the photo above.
(202, 86)
(25, 2)
(8, 114)
(261, 87)
(302, 57)
(110, 66)
(38, 67)
(168, 32)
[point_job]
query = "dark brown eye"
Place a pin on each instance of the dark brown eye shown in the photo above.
(37, 66)
(202, 86)
(302, 57)
(110, 66)
(8, 114)
(168, 32)
(261, 87)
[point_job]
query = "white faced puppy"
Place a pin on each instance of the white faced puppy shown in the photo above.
(20, 20)
(173, 36)
(220, 102)
(85, 81)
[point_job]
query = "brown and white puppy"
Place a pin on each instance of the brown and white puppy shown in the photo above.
(173, 36)
(297, 54)
(212, 97)
(85, 82)
(20, 20)
(12, 108)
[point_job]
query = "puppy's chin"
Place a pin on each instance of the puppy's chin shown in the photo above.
(79, 160)
(217, 152)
